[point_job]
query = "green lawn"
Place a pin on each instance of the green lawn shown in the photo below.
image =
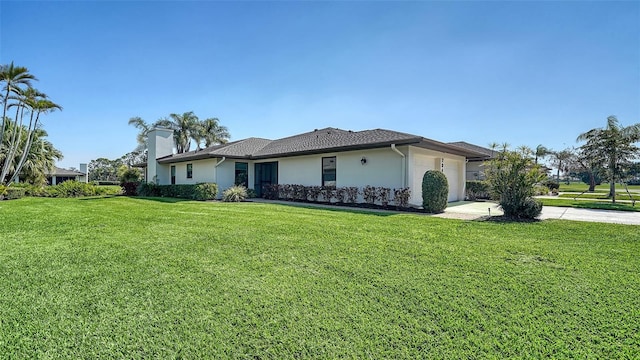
(601, 196)
(143, 278)
(604, 187)
(591, 204)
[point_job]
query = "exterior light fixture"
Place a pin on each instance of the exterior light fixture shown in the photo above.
(363, 161)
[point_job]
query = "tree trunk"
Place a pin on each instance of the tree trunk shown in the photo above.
(592, 181)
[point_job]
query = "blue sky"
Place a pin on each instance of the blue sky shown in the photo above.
(526, 73)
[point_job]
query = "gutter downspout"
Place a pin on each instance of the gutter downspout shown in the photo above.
(216, 167)
(404, 160)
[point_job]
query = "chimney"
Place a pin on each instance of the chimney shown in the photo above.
(159, 145)
(83, 169)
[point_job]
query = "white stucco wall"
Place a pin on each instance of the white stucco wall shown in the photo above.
(383, 168)
(203, 171)
(225, 174)
(421, 160)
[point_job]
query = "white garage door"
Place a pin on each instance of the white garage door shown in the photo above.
(452, 172)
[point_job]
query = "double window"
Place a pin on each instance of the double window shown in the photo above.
(242, 174)
(329, 171)
(189, 171)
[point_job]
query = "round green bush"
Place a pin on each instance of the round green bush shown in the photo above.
(435, 191)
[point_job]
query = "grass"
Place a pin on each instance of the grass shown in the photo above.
(601, 196)
(590, 204)
(604, 187)
(137, 278)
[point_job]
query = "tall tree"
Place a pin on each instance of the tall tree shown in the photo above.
(560, 160)
(183, 126)
(213, 132)
(541, 152)
(15, 79)
(17, 136)
(614, 147)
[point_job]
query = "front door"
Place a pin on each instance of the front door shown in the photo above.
(265, 174)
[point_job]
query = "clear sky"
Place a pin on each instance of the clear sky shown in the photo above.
(526, 73)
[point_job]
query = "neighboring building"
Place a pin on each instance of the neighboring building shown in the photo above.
(475, 165)
(60, 175)
(329, 157)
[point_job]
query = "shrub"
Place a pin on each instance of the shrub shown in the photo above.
(327, 193)
(72, 188)
(352, 194)
(435, 191)
(369, 194)
(299, 192)
(551, 184)
(477, 190)
(130, 188)
(127, 174)
(251, 194)
(234, 194)
(270, 191)
(383, 194)
(341, 194)
(206, 191)
(314, 192)
(3, 191)
(148, 189)
(512, 177)
(12, 193)
(401, 197)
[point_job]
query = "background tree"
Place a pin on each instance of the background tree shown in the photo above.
(541, 152)
(103, 169)
(184, 127)
(17, 137)
(214, 133)
(583, 164)
(560, 160)
(614, 148)
(144, 128)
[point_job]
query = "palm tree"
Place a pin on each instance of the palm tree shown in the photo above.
(213, 132)
(613, 146)
(37, 104)
(183, 126)
(40, 160)
(560, 160)
(15, 78)
(541, 152)
(144, 128)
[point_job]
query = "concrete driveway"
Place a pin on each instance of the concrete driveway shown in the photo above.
(470, 210)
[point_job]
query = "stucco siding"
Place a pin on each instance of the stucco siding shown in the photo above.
(225, 175)
(203, 171)
(303, 170)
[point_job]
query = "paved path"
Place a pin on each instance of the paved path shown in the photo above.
(548, 212)
(468, 210)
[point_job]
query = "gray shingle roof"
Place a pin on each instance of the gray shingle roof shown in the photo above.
(315, 142)
(64, 172)
(479, 149)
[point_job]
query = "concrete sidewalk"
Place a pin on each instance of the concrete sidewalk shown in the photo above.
(470, 210)
(466, 210)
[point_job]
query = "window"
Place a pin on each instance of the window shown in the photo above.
(329, 171)
(189, 171)
(173, 175)
(242, 174)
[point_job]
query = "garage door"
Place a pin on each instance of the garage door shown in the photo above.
(452, 172)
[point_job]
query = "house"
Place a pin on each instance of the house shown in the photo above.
(322, 157)
(60, 175)
(475, 169)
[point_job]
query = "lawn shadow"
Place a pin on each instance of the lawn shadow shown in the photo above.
(161, 199)
(336, 208)
(98, 197)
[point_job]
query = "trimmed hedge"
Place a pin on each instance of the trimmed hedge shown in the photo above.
(435, 191)
(66, 189)
(12, 193)
(338, 195)
(477, 190)
(202, 191)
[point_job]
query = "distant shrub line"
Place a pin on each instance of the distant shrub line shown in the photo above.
(381, 196)
(66, 189)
